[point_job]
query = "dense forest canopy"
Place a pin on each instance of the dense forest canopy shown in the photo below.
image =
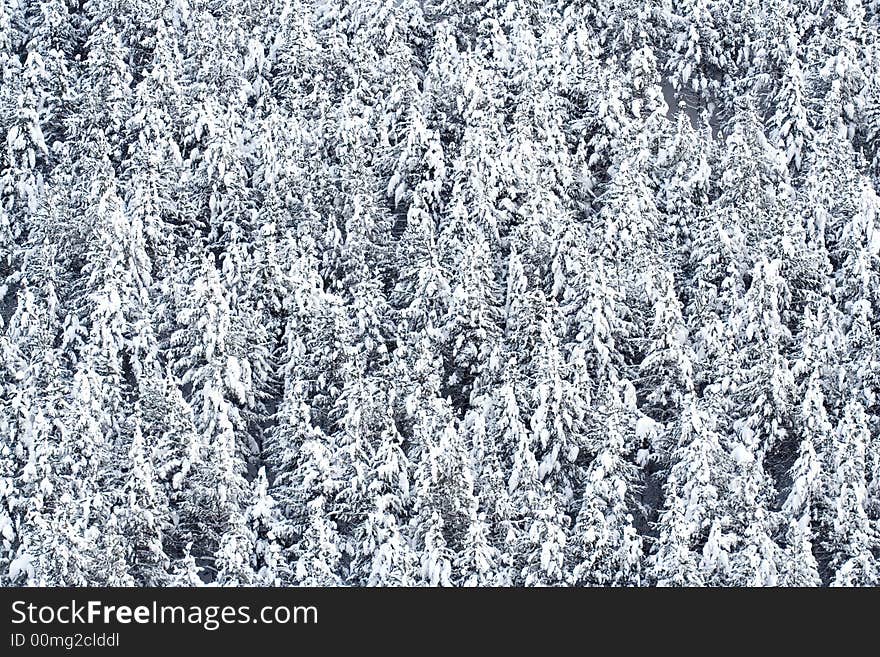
(389, 292)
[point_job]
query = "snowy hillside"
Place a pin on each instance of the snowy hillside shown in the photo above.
(441, 292)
